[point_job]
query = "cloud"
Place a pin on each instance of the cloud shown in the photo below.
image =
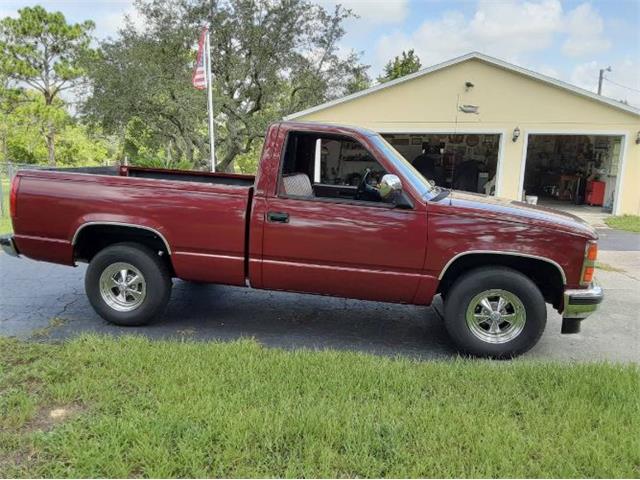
(373, 12)
(624, 72)
(5, 12)
(586, 32)
(547, 70)
(585, 75)
(434, 41)
(109, 24)
(508, 29)
(517, 25)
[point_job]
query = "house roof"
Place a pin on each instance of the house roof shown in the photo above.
(469, 56)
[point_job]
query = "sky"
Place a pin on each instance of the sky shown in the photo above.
(569, 40)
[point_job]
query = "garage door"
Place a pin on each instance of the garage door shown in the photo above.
(572, 169)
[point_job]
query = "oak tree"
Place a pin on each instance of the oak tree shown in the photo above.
(269, 58)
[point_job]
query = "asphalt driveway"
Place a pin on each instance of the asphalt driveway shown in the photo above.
(618, 240)
(42, 301)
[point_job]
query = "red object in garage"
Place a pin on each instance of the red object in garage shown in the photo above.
(595, 192)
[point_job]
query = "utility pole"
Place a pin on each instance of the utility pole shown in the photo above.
(601, 77)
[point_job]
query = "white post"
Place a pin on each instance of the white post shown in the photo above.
(317, 161)
(212, 141)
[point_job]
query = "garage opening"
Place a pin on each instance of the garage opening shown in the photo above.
(461, 161)
(565, 170)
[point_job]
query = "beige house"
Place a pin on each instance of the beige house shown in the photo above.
(513, 132)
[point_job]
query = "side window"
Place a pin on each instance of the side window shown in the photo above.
(328, 167)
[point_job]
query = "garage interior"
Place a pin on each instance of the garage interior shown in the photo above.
(563, 170)
(462, 161)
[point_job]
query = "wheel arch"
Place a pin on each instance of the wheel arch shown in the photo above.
(547, 274)
(91, 237)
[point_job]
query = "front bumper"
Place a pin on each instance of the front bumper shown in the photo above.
(9, 245)
(578, 305)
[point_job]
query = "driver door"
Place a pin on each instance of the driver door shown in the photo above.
(329, 242)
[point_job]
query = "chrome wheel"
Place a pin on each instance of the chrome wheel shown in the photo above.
(122, 287)
(496, 316)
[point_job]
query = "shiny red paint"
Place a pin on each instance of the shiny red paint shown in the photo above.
(203, 223)
(346, 250)
(470, 222)
(220, 234)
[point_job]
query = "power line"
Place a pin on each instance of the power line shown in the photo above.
(623, 86)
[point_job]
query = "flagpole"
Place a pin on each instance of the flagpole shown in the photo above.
(212, 140)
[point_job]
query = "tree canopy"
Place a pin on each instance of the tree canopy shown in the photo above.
(400, 66)
(269, 58)
(141, 92)
(134, 93)
(41, 51)
(24, 126)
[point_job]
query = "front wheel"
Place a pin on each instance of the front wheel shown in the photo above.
(495, 312)
(128, 284)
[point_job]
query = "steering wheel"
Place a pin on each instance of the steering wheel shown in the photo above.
(365, 191)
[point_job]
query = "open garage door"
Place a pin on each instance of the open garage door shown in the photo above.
(466, 161)
(572, 169)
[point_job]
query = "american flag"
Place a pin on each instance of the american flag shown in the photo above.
(199, 78)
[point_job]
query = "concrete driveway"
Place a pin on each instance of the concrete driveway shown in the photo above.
(41, 301)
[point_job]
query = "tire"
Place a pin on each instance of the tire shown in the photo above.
(478, 332)
(147, 293)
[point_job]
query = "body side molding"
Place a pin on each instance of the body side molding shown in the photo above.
(121, 224)
(504, 253)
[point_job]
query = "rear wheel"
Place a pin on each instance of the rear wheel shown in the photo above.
(128, 284)
(495, 312)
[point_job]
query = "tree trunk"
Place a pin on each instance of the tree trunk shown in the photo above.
(188, 149)
(50, 138)
(226, 165)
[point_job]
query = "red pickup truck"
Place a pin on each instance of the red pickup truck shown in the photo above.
(333, 210)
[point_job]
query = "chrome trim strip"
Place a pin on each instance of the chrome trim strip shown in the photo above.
(342, 268)
(121, 224)
(502, 252)
(211, 255)
(42, 239)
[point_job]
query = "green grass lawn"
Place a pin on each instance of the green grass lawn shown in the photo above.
(630, 223)
(608, 268)
(5, 220)
(101, 407)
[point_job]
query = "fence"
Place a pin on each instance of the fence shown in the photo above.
(8, 170)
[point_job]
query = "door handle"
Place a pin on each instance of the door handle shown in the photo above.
(278, 217)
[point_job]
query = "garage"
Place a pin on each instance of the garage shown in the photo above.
(493, 127)
(572, 169)
(463, 161)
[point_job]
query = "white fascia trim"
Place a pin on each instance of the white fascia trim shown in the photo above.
(463, 58)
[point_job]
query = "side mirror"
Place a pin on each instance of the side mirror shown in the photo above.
(389, 184)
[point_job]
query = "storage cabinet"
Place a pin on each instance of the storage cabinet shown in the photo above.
(595, 192)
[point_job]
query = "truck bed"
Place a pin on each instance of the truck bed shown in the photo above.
(189, 176)
(164, 174)
(201, 215)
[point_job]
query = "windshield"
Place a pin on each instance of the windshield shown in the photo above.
(421, 184)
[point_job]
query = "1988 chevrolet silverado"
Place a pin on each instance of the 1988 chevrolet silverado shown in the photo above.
(333, 210)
